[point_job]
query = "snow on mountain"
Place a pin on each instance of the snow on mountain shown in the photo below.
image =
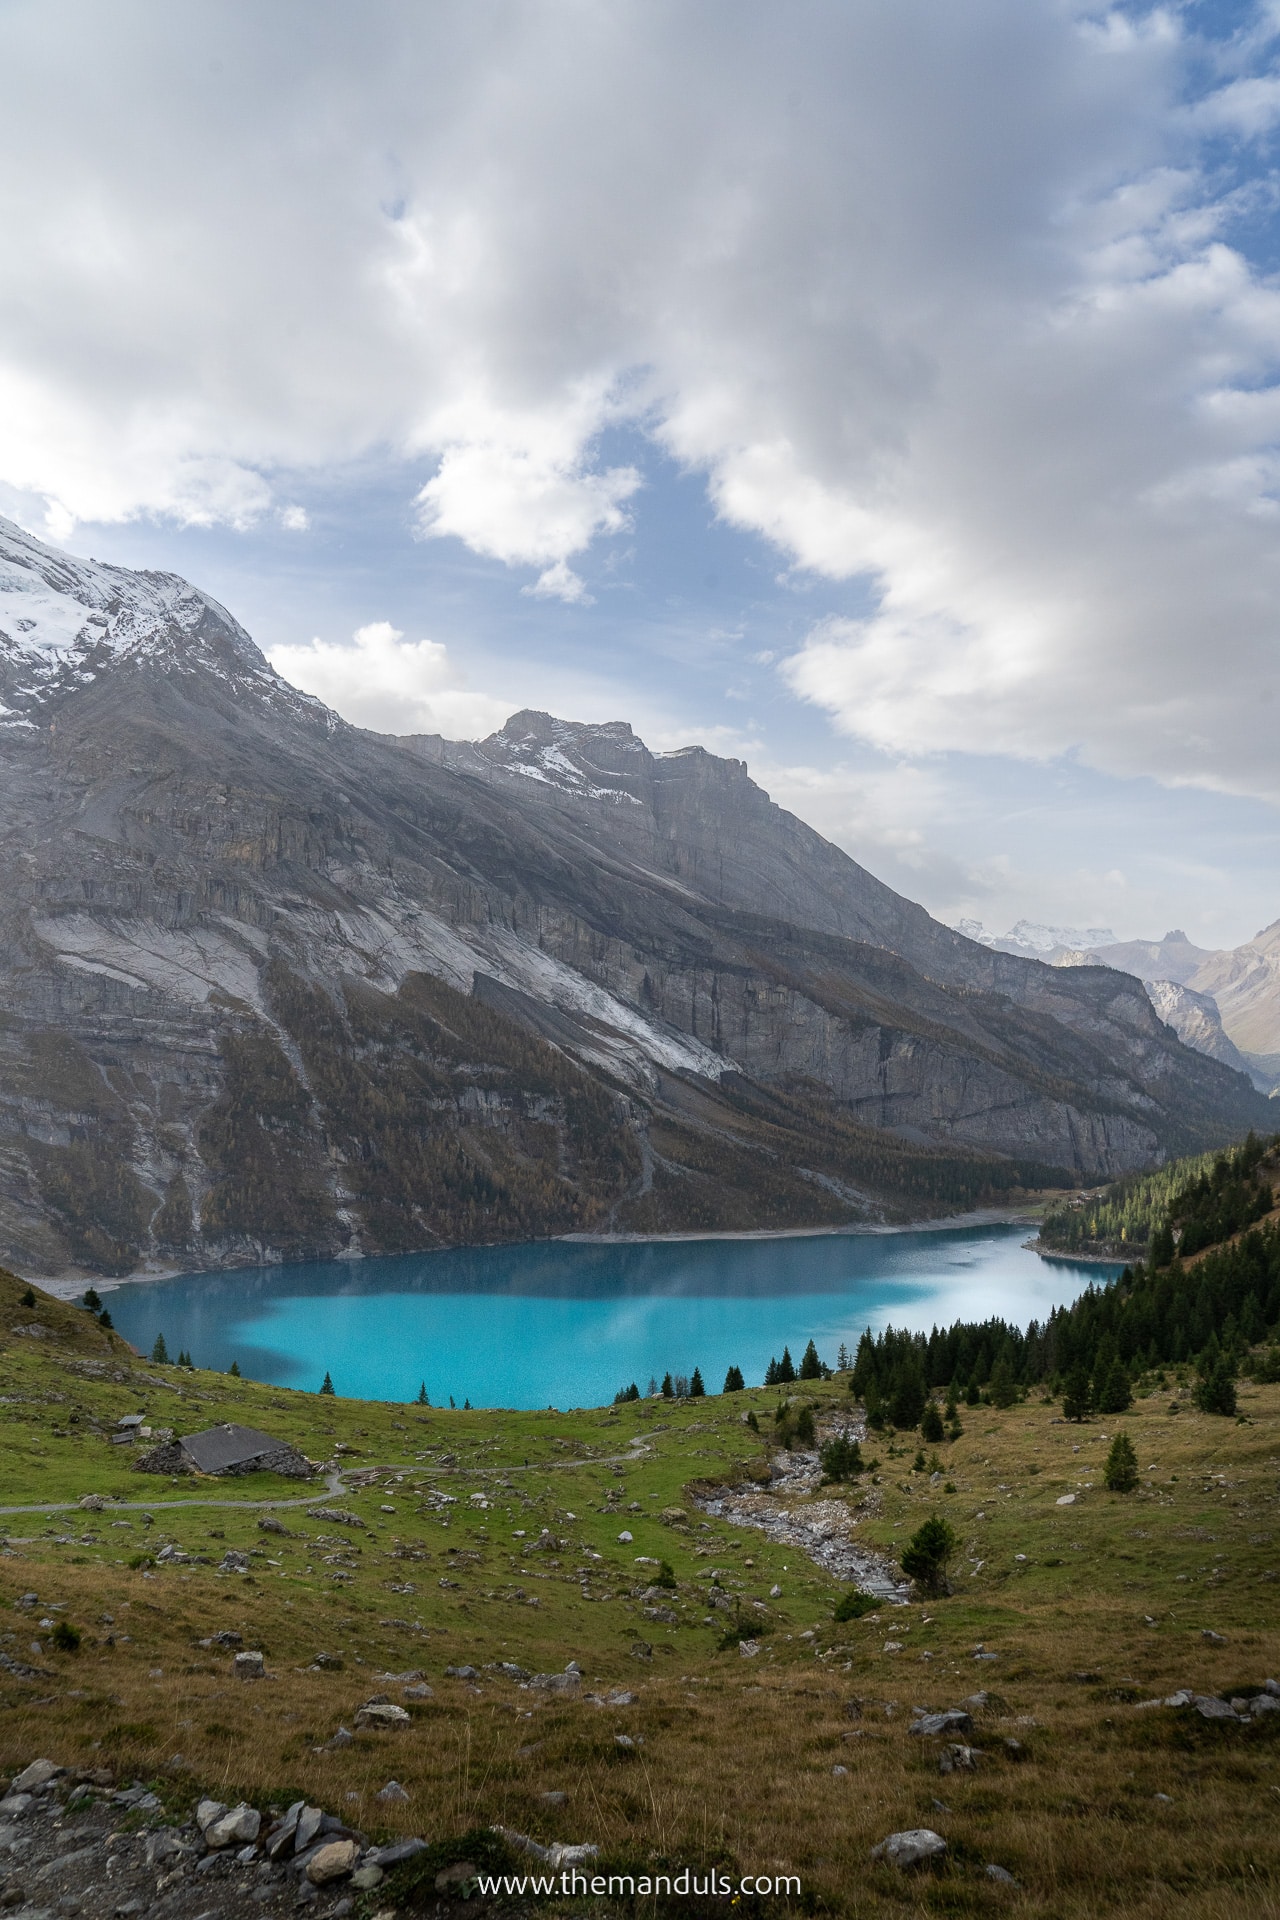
(1036, 941)
(64, 620)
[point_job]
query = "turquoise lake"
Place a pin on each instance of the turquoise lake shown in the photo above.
(567, 1323)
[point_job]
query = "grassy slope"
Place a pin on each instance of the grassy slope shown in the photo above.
(737, 1754)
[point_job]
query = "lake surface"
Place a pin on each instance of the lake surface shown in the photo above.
(567, 1323)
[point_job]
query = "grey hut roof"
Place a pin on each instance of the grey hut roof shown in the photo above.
(230, 1446)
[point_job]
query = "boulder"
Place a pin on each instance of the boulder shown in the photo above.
(309, 1822)
(332, 1861)
(1001, 1875)
(567, 1682)
(35, 1776)
(1209, 1707)
(455, 1876)
(957, 1758)
(381, 1713)
(915, 1847)
(207, 1811)
(935, 1724)
(239, 1827)
(249, 1666)
(393, 1794)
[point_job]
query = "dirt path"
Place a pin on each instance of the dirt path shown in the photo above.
(333, 1485)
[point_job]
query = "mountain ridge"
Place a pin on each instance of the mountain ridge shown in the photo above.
(273, 986)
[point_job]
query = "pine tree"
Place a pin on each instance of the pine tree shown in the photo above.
(925, 1557)
(697, 1391)
(1121, 1471)
(931, 1428)
(1076, 1400)
(91, 1300)
(771, 1374)
(810, 1365)
(733, 1381)
(105, 1320)
(1216, 1392)
(1116, 1395)
(1004, 1388)
(160, 1353)
(234, 1370)
(422, 1400)
(327, 1386)
(28, 1299)
(466, 1406)
(668, 1387)
(786, 1368)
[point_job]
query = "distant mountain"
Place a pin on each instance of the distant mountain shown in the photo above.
(1231, 996)
(272, 986)
(1172, 958)
(1036, 941)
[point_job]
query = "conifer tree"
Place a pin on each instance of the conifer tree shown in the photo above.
(668, 1387)
(771, 1375)
(931, 1428)
(422, 1399)
(1004, 1388)
(733, 1381)
(697, 1391)
(1076, 1399)
(91, 1300)
(327, 1385)
(1121, 1471)
(1116, 1395)
(786, 1368)
(105, 1320)
(810, 1365)
(234, 1370)
(925, 1557)
(160, 1353)
(1216, 1392)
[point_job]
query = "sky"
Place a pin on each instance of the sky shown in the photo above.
(884, 392)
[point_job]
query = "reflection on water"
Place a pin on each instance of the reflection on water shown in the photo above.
(567, 1323)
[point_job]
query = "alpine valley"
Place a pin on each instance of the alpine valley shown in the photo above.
(272, 987)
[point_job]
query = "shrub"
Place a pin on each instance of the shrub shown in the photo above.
(665, 1576)
(854, 1605)
(28, 1299)
(1121, 1470)
(794, 1428)
(925, 1557)
(65, 1637)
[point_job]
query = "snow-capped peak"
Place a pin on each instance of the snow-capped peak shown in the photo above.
(64, 621)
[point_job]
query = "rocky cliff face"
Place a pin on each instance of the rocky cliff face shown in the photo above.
(272, 986)
(1223, 1002)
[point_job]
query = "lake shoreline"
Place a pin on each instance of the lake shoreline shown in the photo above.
(73, 1285)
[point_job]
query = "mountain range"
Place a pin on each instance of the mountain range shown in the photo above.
(273, 987)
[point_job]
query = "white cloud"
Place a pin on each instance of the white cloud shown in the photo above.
(945, 299)
(294, 519)
(560, 582)
(389, 685)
